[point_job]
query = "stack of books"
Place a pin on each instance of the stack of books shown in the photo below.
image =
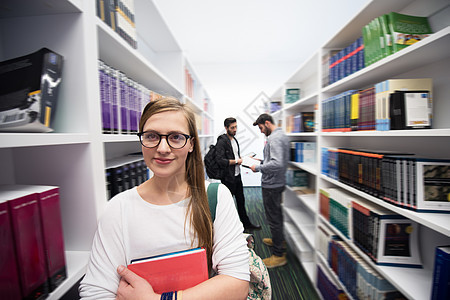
(303, 152)
(120, 16)
(300, 122)
(122, 100)
(297, 178)
(292, 96)
(124, 173)
(380, 38)
(386, 237)
(390, 33)
(402, 179)
(328, 287)
(190, 83)
(346, 61)
(359, 278)
(32, 245)
(335, 207)
(392, 104)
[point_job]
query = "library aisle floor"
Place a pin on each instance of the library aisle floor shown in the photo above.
(289, 282)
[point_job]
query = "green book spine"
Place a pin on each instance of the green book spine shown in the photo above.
(372, 42)
(367, 48)
(382, 32)
(387, 34)
(376, 39)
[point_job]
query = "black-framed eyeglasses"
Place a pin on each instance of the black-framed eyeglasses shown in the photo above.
(152, 139)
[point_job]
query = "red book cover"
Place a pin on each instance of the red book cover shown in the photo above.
(173, 271)
(52, 230)
(27, 232)
(9, 276)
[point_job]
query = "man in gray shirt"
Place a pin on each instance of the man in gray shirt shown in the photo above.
(273, 180)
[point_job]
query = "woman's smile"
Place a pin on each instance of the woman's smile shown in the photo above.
(162, 160)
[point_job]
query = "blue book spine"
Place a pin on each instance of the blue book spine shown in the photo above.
(324, 161)
(339, 112)
(441, 274)
(341, 64)
(335, 116)
(352, 58)
(348, 61)
(331, 69)
(298, 152)
(361, 63)
(347, 109)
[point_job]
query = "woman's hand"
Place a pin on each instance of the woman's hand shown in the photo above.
(131, 286)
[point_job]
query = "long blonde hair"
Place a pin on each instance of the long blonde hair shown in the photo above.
(198, 206)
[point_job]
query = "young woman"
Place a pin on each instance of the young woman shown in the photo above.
(169, 212)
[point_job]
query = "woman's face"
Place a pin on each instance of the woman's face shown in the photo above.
(163, 160)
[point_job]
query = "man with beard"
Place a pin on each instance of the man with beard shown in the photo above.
(229, 159)
(273, 180)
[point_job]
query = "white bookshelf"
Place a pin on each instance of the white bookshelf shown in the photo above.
(427, 58)
(74, 156)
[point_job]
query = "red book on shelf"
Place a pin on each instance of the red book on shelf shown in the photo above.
(9, 276)
(52, 230)
(27, 232)
(173, 271)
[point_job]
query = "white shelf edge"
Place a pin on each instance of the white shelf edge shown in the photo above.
(119, 161)
(76, 268)
(204, 136)
(300, 217)
(297, 241)
(436, 221)
(294, 134)
(108, 36)
(309, 267)
(308, 167)
(307, 230)
(193, 104)
(308, 200)
(17, 139)
(308, 100)
(392, 133)
(113, 138)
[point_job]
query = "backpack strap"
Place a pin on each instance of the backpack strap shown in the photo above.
(212, 198)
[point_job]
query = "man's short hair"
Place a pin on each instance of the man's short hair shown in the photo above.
(262, 119)
(229, 121)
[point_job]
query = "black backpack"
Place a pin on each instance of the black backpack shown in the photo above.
(213, 170)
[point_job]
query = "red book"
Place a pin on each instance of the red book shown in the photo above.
(27, 233)
(173, 271)
(9, 276)
(50, 212)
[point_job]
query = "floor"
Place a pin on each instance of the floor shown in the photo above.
(290, 281)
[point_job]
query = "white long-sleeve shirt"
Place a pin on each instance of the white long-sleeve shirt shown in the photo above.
(132, 228)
